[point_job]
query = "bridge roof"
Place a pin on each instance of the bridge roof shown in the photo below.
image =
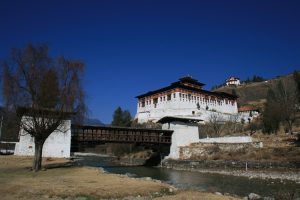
(120, 128)
(168, 119)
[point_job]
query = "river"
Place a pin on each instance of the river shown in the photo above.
(240, 186)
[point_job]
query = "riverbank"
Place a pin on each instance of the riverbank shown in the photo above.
(61, 180)
(281, 171)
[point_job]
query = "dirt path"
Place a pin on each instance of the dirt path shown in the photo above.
(81, 183)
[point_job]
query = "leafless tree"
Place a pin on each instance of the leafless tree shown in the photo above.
(44, 90)
(288, 98)
(281, 105)
(231, 125)
(216, 123)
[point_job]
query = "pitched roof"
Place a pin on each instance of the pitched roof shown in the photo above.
(168, 119)
(181, 84)
(232, 78)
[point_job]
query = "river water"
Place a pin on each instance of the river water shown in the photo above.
(240, 186)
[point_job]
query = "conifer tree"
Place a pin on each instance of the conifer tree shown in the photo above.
(121, 118)
(117, 117)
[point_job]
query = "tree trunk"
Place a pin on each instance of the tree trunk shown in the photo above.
(37, 161)
(290, 125)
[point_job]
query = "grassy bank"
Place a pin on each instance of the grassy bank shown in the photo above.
(60, 182)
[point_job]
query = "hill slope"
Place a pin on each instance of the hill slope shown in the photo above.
(254, 93)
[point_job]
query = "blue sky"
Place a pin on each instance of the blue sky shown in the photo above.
(131, 47)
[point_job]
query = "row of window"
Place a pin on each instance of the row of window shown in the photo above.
(186, 97)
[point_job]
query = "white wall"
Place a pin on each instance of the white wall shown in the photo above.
(246, 115)
(184, 134)
(58, 144)
(228, 140)
(233, 82)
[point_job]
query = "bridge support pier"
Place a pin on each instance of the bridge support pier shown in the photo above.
(186, 132)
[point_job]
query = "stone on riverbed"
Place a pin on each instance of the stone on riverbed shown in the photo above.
(268, 198)
(147, 178)
(253, 196)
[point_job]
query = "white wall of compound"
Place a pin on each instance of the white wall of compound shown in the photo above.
(58, 144)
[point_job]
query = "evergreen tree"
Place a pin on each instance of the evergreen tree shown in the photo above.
(255, 78)
(121, 118)
(126, 118)
(117, 117)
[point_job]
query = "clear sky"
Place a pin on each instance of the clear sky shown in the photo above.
(131, 47)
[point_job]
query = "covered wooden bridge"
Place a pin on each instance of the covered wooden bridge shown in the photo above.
(109, 134)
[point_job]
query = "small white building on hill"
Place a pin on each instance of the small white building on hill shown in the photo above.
(233, 81)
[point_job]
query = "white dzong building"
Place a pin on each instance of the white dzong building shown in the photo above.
(185, 98)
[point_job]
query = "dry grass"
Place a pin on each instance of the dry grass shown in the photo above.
(276, 141)
(18, 182)
(254, 154)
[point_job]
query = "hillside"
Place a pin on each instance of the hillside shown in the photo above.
(254, 93)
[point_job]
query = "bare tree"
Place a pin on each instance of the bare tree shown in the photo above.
(281, 105)
(287, 98)
(232, 124)
(216, 123)
(44, 90)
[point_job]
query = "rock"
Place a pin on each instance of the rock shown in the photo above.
(101, 170)
(218, 193)
(253, 196)
(130, 175)
(172, 189)
(268, 198)
(148, 178)
(245, 198)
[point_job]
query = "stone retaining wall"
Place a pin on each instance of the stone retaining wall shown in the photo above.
(228, 164)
